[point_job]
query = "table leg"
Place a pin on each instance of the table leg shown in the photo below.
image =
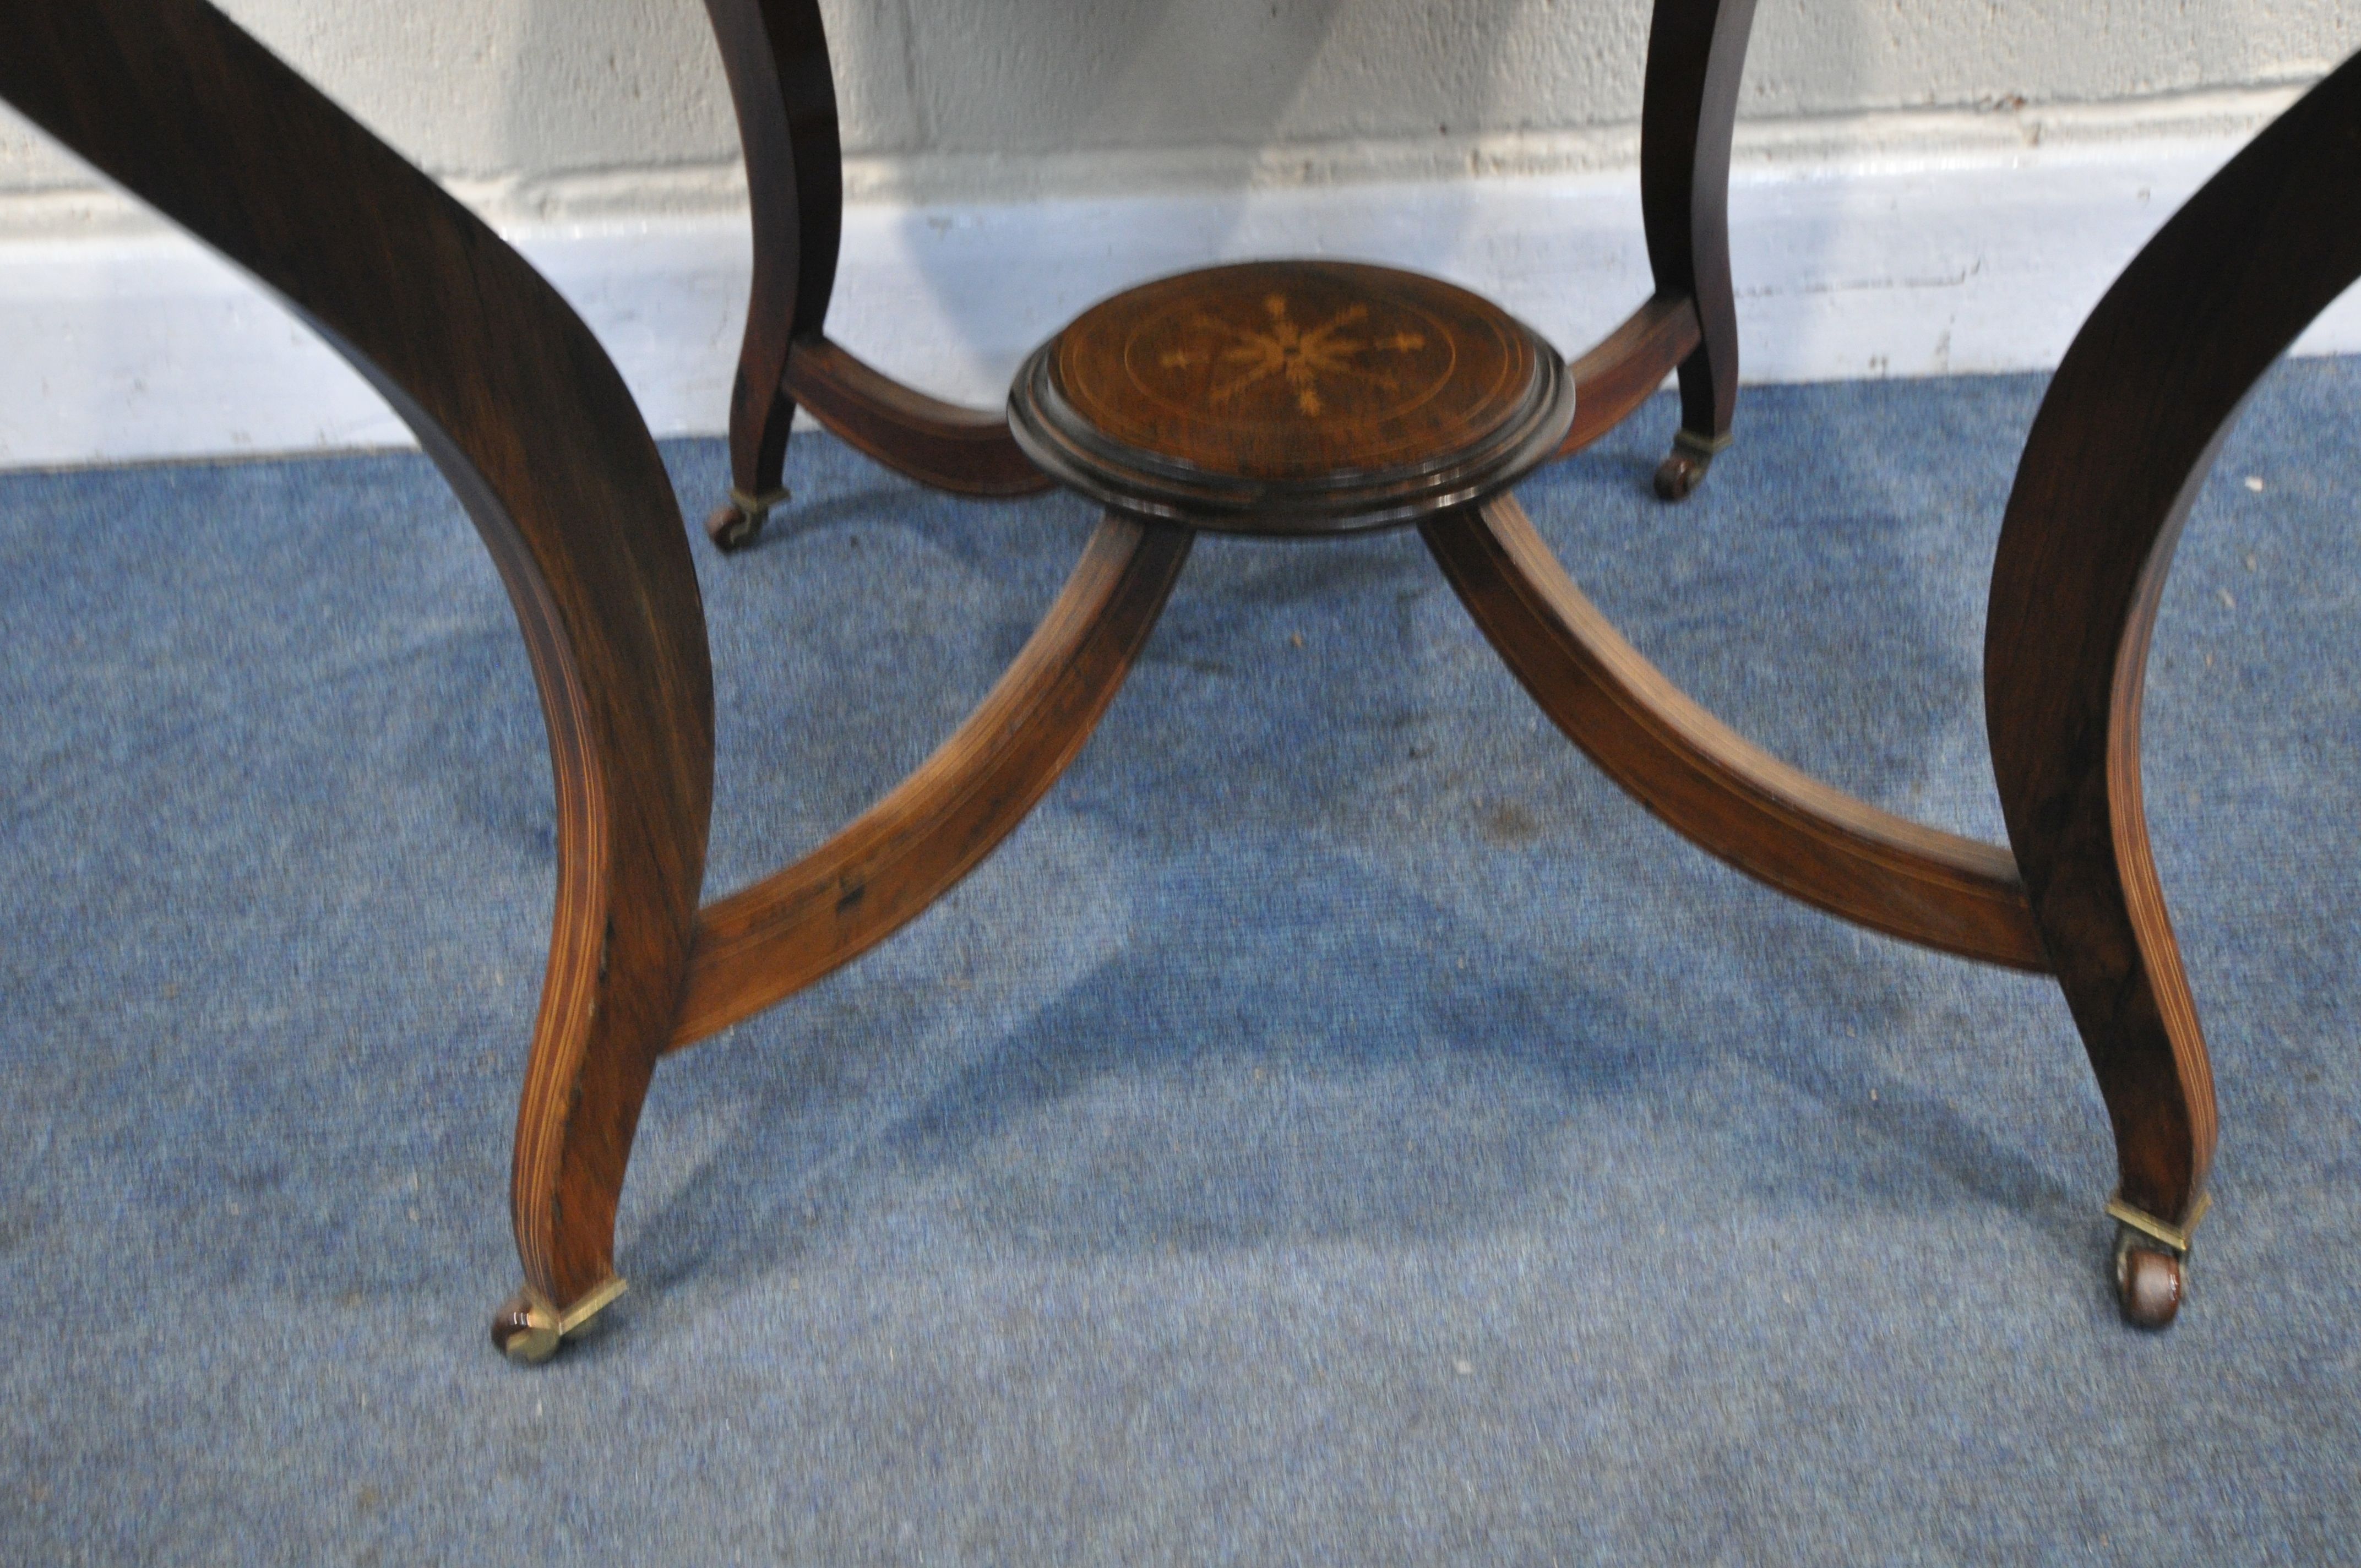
(2126, 435)
(1697, 51)
(775, 53)
(512, 397)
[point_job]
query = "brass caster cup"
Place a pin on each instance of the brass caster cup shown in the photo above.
(528, 1329)
(1684, 470)
(739, 523)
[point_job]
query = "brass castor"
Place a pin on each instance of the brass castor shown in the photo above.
(2149, 1280)
(524, 1332)
(738, 522)
(1684, 469)
(528, 1329)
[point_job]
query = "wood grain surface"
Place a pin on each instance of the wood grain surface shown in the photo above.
(765, 943)
(775, 55)
(1623, 369)
(1292, 397)
(1708, 783)
(529, 421)
(966, 451)
(2126, 435)
(1697, 53)
(776, 52)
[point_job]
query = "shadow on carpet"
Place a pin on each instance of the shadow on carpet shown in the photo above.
(1338, 1126)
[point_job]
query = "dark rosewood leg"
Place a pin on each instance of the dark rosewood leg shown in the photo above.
(776, 55)
(1696, 49)
(776, 52)
(2126, 435)
(529, 421)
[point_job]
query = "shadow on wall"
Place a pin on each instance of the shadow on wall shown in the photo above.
(1201, 123)
(1206, 84)
(1223, 114)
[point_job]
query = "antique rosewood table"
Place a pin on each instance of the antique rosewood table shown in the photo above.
(1305, 399)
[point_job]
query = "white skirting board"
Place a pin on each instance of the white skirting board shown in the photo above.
(140, 345)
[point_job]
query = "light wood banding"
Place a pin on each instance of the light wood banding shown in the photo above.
(1624, 369)
(761, 945)
(2128, 432)
(1710, 784)
(966, 451)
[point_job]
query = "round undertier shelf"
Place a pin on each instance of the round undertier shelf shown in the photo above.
(1292, 397)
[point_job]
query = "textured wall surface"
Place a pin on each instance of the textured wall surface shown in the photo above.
(526, 91)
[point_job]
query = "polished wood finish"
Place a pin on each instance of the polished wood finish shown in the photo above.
(2126, 435)
(966, 451)
(1624, 369)
(1291, 372)
(1223, 399)
(1707, 782)
(1696, 54)
(1292, 397)
(776, 55)
(764, 944)
(511, 396)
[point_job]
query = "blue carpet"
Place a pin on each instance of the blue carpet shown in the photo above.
(1338, 1127)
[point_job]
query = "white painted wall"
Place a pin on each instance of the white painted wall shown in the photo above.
(1921, 188)
(966, 99)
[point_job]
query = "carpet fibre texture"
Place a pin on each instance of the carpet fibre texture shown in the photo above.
(1337, 1127)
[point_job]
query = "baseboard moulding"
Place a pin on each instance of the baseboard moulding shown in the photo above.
(1891, 245)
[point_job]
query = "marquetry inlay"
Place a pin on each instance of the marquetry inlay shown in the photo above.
(1323, 394)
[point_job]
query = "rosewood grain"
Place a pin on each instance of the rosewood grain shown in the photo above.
(1292, 397)
(765, 943)
(1723, 793)
(1697, 53)
(966, 451)
(775, 55)
(1624, 369)
(1386, 396)
(511, 396)
(2126, 435)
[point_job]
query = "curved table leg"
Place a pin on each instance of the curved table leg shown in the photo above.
(966, 451)
(2126, 433)
(1707, 782)
(531, 425)
(1697, 51)
(775, 53)
(765, 943)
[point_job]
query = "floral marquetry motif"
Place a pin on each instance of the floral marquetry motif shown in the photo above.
(1292, 397)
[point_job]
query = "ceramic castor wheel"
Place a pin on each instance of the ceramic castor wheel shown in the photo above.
(524, 1332)
(2149, 1282)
